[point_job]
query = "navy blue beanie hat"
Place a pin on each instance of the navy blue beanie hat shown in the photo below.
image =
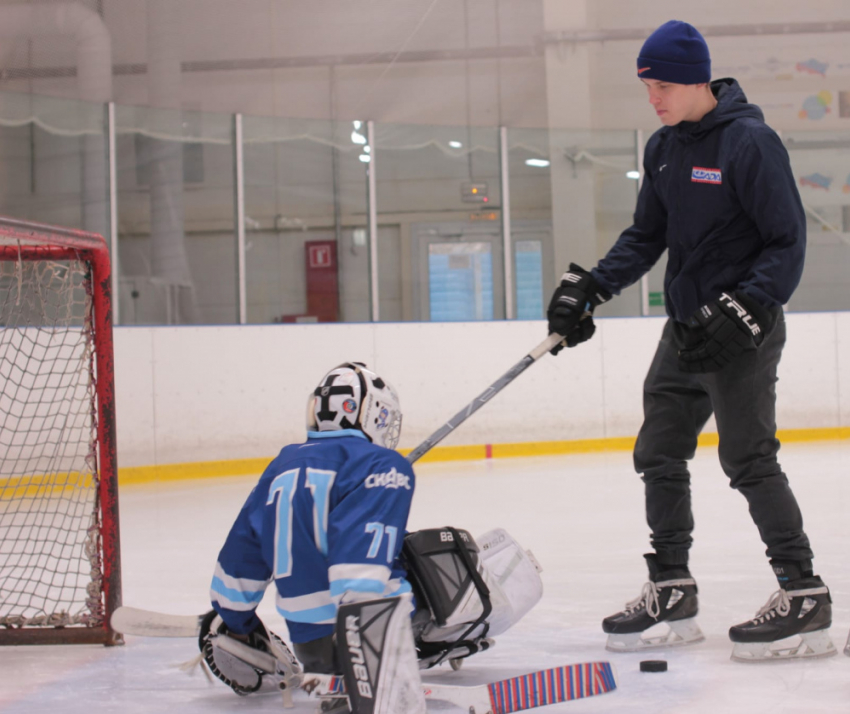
(676, 52)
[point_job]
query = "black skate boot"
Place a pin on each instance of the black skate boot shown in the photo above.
(801, 609)
(670, 597)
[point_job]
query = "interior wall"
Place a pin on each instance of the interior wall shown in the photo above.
(424, 72)
(208, 393)
(485, 62)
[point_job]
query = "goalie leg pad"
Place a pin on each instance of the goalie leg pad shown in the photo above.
(378, 660)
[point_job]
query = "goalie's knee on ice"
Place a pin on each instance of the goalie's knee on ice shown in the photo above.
(318, 655)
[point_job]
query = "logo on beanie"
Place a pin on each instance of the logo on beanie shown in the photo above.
(644, 69)
(701, 175)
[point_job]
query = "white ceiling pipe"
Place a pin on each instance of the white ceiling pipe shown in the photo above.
(169, 257)
(747, 30)
(93, 42)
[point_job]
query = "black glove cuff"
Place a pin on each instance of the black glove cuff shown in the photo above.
(597, 294)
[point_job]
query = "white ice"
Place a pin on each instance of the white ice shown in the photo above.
(582, 516)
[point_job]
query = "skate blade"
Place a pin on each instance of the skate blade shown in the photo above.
(679, 632)
(810, 645)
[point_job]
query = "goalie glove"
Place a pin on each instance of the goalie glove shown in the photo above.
(726, 328)
(242, 661)
(572, 305)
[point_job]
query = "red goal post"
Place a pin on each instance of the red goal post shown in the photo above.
(60, 575)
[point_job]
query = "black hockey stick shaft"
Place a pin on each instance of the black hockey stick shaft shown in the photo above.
(485, 397)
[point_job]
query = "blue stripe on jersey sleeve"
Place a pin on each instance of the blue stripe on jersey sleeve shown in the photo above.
(403, 587)
(360, 585)
(245, 596)
(323, 614)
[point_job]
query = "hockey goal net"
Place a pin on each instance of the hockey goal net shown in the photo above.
(59, 560)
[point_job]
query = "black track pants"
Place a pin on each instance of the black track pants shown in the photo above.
(743, 398)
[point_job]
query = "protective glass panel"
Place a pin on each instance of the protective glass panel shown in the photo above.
(434, 182)
(821, 165)
(176, 232)
(578, 189)
(307, 250)
(53, 161)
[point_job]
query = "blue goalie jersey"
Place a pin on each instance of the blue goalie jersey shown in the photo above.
(327, 518)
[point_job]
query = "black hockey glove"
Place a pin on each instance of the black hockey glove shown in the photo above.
(241, 661)
(572, 305)
(728, 326)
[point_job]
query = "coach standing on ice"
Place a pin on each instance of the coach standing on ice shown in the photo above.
(718, 193)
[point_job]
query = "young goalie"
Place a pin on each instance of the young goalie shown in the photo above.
(327, 524)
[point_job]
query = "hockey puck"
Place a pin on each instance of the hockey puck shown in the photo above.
(653, 665)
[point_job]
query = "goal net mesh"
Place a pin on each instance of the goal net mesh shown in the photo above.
(50, 568)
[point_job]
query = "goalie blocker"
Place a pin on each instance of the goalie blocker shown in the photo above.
(466, 591)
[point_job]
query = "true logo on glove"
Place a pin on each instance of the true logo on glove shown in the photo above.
(745, 316)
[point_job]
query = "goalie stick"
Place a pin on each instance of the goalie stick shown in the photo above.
(485, 396)
(146, 623)
(536, 689)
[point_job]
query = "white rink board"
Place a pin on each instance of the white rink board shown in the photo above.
(187, 394)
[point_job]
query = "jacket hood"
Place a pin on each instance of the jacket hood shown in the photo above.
(732, 104)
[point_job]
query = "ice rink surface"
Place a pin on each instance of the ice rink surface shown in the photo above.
(582, 516)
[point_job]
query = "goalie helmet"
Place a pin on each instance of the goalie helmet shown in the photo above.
(352, 396)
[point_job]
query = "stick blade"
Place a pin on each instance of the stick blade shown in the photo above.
(550, 686)
(536, 689)
(133, 621)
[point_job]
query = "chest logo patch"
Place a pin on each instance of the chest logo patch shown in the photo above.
(702, 175)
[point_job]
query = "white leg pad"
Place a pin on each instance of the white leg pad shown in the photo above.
(808, 645)
(674, 634)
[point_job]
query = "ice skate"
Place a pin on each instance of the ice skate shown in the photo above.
(847, 646)
(794, 624)
(669, 599)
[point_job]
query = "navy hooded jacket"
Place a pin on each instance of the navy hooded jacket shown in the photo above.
(720, 195)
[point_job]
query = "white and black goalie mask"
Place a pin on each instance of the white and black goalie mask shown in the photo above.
(353, 397)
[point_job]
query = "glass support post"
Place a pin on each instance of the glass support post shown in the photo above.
(508, 263)
(644, 281)
(373, 221)
(112, 180)
(239, 214)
